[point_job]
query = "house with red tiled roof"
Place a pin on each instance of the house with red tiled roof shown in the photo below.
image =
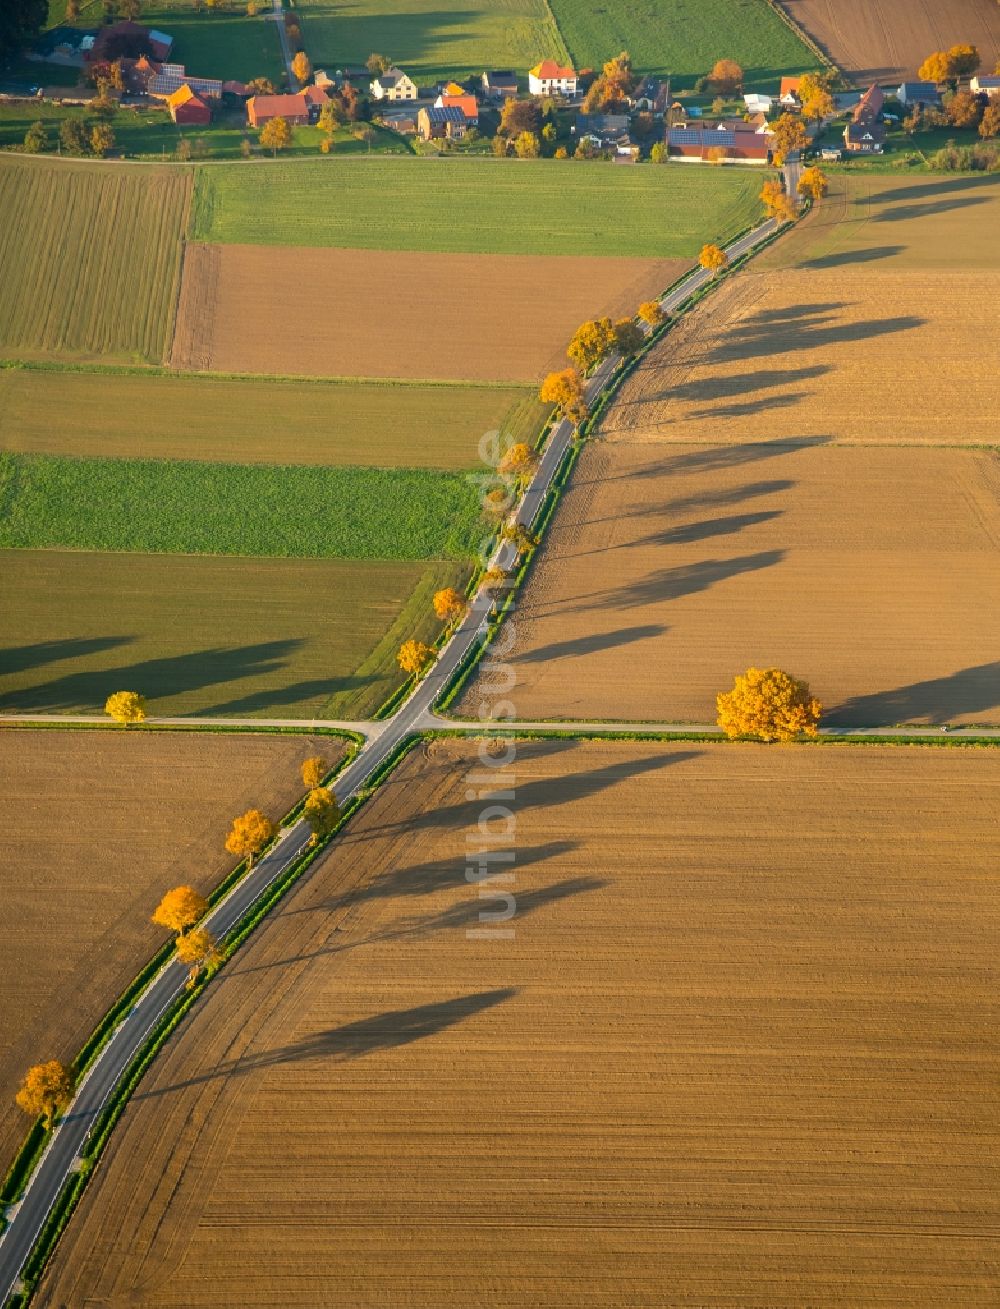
(304, 107)
(187, 107)
(788, 95)
(552, 78)
(466, 103)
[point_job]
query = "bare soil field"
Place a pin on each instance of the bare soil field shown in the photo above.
(97, 825)
(731, 1053)
(378, 313)
(888, 40)
(871, 572)
(870, 222)
(817, 354)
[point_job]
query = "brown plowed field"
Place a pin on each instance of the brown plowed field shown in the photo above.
(96, 826)
(888, 40)
(872, 572)
(739, 1051)
(377, 313)
(825, 354)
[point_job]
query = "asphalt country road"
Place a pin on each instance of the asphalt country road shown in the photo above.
(63, 1153)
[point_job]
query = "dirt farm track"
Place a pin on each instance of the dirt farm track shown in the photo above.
(733, 1053)
(369, 313)
(880, 40)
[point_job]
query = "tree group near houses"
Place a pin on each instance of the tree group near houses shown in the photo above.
(768, 704)
(950, 65)
(789, 135)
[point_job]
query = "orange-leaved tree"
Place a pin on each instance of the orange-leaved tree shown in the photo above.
(726, 76)
(321, 812)
(989, 125)
(46, 1089)
(565, 391)
(590, 343)
(313, 771)
(413, 657)
(301, 66)
(493, 578)
(936, 67)
(713, 257)
(770, 705)
(126, 707)
(788, 134)
(963, 109)
(813, 184)
(249, 834)
(197, 949)
(448, 604)
(651, 312)
(180, 909)
(276, 135)
(518, 459)
(777, 202)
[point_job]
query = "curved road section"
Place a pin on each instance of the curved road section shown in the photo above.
(60, 1160)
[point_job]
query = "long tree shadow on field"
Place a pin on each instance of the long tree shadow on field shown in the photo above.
(665, 584)
(681, 534)
(869, 256)
(904, 213)
(592, 644)
(927, 190)
(938, 700)
(156, 678)
(296, 693)
(777, 337)
(703, 459)
(726, 388)
(21, 658)
(751, 408)
(723, 496)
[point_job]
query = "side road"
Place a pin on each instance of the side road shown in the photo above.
(57, 1164)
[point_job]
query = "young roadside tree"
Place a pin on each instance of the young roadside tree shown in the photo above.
(197, 949)
(46, 1089)
(448, 604)
(565, 390)
(493, 579)
(249, 834)
(989, 125)
(321, 813)
(519, 461)
(769, 705)
(629, 337)
(413, 657)
(788, 135)
(126, 707)
(713, 258)
(527, 145)
(276, 135)
(301, 66)
(813, 183)
(102, 139)
(726, 76)
(180, 909)
(590, 343)
(777, 203)
(36, 138)
(519, 535)
(313, 771)
(651, 312)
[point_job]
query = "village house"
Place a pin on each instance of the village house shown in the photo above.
(299, 109)
(651, 96)
(864, 137)
(605, 132)
(188, 108)
(438, 122)
(869, 107)
(465, 102)
(918, 93)
(394, 85)
(551, 78)
(715, 143)
(986, 84)
(500, 84)
(788, 93)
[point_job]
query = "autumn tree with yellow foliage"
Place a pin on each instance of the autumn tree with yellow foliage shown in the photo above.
(713, 258)
(813, 183)
(249, 834)
(321, 813)
(651, 312)
(448, 604)
(301, 66)
(518, 460)
(788, 134)
(126, 707)
(275, 135)
(197, 949)
(180, 909)
(590, 343)
(565, 390)
(313, 771)
(46, 1089)
(413, 657)
(778, 204)
(770, 705)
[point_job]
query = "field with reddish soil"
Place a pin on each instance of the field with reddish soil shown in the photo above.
(379, 313)
(816, 353)
(735, 1050)
(97, 825)
(886, 40)
(871, 572)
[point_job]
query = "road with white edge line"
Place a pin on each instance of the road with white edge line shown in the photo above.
(63, 1153)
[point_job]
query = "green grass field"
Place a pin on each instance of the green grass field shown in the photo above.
(185, 507)
(87, 414)
(427, 38)
(548, 207)
(205, 635)
(76, 279)
(684, 37)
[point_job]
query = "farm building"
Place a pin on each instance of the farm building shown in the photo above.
(499, 84)
(551, 78)
(869, 107)
(605, 131)
(985, 84)
(864, 137)
(757, 104)
(127, 39)
(788, 95)
(918, 93)
(738, 142)
(162, 80)
(301, 108)
(394, 85)
(466, 103)
(187, 107)
(438, 122)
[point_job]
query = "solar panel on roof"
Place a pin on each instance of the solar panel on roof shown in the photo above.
(685, 136)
